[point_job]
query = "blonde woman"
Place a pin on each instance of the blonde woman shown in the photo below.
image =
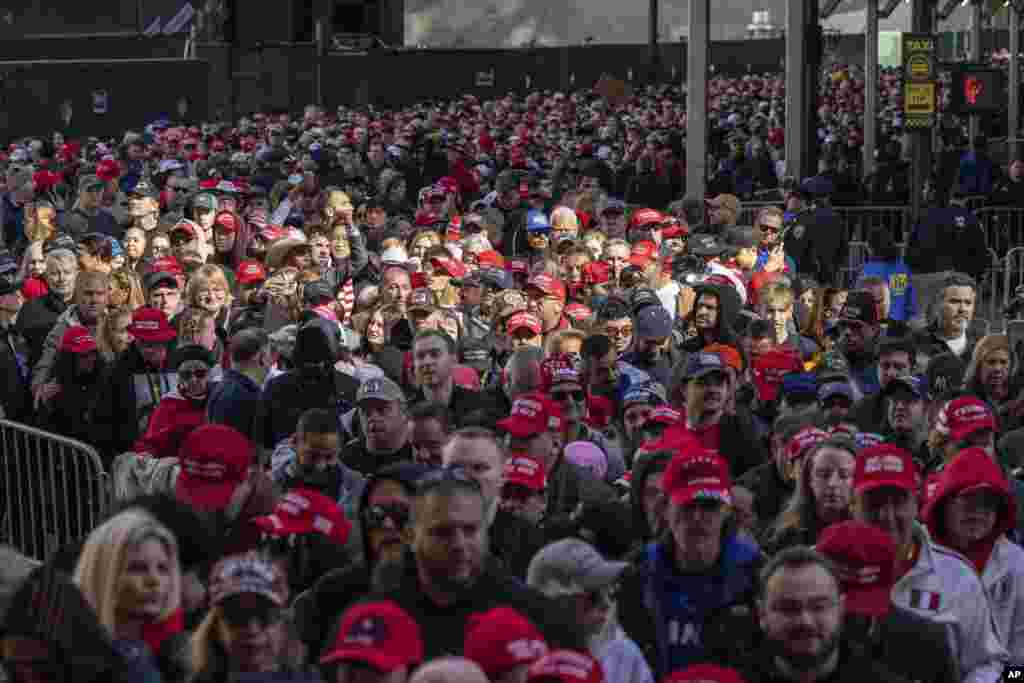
(129, 573)
(126, 289)
(209, 290)
(112, 336)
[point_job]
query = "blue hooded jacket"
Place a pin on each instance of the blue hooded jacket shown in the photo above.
(681, 604)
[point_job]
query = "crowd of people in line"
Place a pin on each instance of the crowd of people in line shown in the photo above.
(445, 394)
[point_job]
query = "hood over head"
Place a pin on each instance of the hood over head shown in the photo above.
(729, 306)
(405, 473)
(316, 342)
(972, 468)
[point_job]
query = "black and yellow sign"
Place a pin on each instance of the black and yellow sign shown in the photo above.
(919, 80)
(919, 98)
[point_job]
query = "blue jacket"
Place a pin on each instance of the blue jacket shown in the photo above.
(681, 605)
(762, 261)
(236, 401)
(976, 175)
(902, 297)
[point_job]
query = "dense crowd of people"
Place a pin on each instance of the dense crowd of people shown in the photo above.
(469, 392)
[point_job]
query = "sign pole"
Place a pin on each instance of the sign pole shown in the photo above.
(919, 97)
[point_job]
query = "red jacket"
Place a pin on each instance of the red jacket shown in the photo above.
(169, 424)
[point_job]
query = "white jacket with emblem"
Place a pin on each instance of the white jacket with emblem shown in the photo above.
(943, 587)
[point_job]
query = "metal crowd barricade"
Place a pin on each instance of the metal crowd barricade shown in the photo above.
(992, 294)
(1003, 227)
(858, 221)
(54, 489)
(858, 254)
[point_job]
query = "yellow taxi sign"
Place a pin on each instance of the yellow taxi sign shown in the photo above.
(919, 98)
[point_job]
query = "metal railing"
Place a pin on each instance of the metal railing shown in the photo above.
(54, 490)
(859, 221)
(1003, 228)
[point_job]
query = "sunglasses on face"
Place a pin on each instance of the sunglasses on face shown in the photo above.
(376, 515)
(239, 615)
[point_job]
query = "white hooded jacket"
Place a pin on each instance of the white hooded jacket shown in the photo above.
(943, 587)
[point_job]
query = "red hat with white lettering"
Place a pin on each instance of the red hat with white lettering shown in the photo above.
(250, 272)
(566, 666)
(77, 339)
(965, 416)
(501, 639)
(531, 414)
(526, 471)
(697, 475)
(306, 511)
(215, 460)
(149, 326)
(380, 634)
(704, 673)
(885, 465)
(548, 285)
(802, 441)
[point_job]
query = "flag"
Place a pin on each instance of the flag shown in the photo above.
(153, 29)
(180, 20)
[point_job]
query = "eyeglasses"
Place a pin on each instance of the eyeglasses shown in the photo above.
(577, 396)
(376, 515)
(237, 615)
(619, 332)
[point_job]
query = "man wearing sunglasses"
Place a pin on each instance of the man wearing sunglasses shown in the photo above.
(771, 255)
(448, 575)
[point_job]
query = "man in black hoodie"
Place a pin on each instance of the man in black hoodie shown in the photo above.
(714, 310)
(314, 383)
(646, 499)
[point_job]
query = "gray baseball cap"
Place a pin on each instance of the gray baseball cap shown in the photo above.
(572, 566)
(381, 389)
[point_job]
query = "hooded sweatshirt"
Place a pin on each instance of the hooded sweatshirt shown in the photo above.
(729, 306)
(171, 422)
(999, 562)
(314, 383)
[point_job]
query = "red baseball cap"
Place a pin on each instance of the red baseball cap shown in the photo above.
(186, 226)
(250, 272)
(642, 253)
(77, 339)
(567, 666)
(548, 285)
(704, 673)
(531, 414)
(524, 319)
(769, 369)
(802, 441)
(729, 355)
(215, 460)
(865, 557)
(306, 511)
(166, 264)
(518, 265)
(526, 471)
(559, 370)
(578, 312)
(966, 415)
(885, 465)
(674, 228)
(380, 634)
(149, 325)
(644, 217)
(501, 639)
(697, 475)
(596, 273)
(449, 267)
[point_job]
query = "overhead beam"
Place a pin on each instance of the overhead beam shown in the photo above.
(828, 8)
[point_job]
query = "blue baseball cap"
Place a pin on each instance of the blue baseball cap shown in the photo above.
(830, 389)
(800, 383)
(701, 363)
(537, 221)
(653, 322)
